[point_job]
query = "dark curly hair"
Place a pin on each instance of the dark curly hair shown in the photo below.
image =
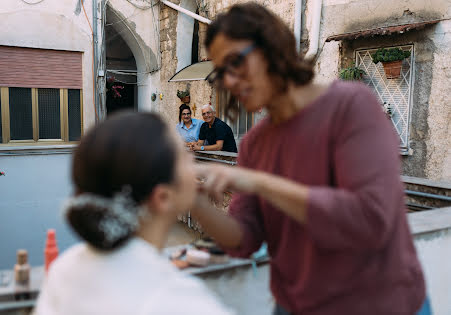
(181, 109)
(251, 21)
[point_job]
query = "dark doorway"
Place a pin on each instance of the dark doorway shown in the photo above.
(121, 86)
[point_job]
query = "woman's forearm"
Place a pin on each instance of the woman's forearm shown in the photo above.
(223, 228)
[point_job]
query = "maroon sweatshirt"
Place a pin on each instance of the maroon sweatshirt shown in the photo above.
(355, 254)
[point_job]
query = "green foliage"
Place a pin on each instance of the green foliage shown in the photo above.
(182, 94)
(351, 73)
(387, 55)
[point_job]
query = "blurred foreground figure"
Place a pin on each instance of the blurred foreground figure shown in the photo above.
(318, 179)
(132, 177)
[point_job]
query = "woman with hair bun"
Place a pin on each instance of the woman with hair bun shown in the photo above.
(127, 196)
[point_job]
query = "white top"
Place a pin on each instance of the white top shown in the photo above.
(134, 279)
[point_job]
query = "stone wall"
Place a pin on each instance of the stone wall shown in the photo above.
(430, 125)
(201, 92)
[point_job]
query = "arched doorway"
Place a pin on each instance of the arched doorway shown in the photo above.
(121, 70)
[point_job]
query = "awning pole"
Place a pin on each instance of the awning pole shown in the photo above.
(187, 12)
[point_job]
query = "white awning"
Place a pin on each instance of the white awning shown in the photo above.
(195, 72)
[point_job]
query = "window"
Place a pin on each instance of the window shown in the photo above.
(395, 92)
(244, 121)
(36, 115)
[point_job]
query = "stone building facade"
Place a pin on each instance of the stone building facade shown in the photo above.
(143, 43)
(426, 115)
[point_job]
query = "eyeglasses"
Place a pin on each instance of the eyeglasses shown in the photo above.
(186, 114)
(207, 113)
(232, 64)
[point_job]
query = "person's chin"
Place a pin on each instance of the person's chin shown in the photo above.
(251, 106)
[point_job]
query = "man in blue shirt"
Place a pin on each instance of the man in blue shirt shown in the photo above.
(218, 134)
(188, 127)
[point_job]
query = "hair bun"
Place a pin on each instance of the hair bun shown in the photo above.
(105, 223)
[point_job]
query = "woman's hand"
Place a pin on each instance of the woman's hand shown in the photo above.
(216, 179)
(286, 195)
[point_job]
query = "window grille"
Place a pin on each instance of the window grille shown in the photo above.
(49, 114)
(21, 114)
(395, 92)
(31, 115)
(74, 113)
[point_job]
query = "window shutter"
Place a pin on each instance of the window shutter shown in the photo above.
(40, 68)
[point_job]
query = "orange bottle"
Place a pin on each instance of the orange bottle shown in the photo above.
(51, 250)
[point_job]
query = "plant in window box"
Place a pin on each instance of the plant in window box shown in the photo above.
(183, 96)
(391, 59)
(352, 73)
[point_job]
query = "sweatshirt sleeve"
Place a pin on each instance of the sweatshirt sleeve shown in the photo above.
(245, 209)
(367, 203)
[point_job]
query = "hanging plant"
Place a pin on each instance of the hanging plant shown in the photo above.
(2, 174)
(352, 73)
(113, 88)
(391, 60)
(184, 96)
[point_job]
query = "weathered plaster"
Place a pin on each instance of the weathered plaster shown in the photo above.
(438, 164)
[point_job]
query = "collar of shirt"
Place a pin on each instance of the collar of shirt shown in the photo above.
(194, 123)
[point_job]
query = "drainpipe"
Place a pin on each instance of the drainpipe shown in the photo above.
(94, 52)
(187, 12)
(314, 33)
(297, 23)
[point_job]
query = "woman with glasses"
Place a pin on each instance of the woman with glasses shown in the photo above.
(318, 179)
(188, 127)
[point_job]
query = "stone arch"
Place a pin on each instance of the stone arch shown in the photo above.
(146, 60)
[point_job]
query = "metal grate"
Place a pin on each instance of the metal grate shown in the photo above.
(49, 114)
(395, 92)
(20, 114)
(74, 114)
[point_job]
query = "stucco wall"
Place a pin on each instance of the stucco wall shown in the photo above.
(438, 141)
(31, 195)
(52, 24)
(434, 253)
(430, 120)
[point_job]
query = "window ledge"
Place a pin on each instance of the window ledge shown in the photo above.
(216, 156)
(430, 221)
(37, 149)
(218, 153)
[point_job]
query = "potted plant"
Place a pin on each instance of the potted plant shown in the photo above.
(183, 96)
(391, 59)
(351, 73)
